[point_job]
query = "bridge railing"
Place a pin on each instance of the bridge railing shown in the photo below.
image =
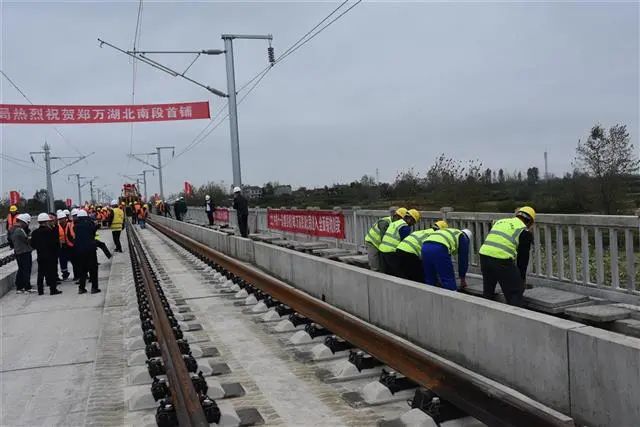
(597, 251)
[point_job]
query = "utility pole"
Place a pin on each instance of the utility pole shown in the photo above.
(144, 182)
(231, 86)
(92, 200)
(233, 105)
(78, 178)
(47, 160)
(158, 166)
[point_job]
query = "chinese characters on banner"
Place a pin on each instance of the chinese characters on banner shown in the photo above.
(69, 202)
(78, 114)
(221, 215)
(314, 223)
(14, 197)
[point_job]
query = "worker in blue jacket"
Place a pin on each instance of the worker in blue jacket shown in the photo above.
(437, 251)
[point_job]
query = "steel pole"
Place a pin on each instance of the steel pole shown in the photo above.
(144, 182)
(92, 201)
(79, 190)
(47, 161)
(160, 173)
(233, 112)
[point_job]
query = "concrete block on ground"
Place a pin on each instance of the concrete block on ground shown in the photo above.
(627, 327)
(7, 283)
(598, 313)
(552, 298)
(634, 309)
(605, 377)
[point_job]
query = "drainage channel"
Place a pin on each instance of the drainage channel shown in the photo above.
(181, 388)
(347, 350)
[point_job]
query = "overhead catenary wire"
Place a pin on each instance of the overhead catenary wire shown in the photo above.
(136, 40)
(262, 73)
(21, 92)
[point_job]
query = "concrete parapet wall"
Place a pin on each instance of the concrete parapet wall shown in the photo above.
(605, 377)
(7, 283)
(591, 374)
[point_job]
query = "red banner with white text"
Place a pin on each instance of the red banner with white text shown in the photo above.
(14, 197)
(313, 223)
(78, 114)
(221, 215)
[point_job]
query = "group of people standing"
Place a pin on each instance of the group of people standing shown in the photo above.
(63, 238)
(426, 255)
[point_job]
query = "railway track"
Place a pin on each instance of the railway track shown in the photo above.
(367, 344)
(183, 399)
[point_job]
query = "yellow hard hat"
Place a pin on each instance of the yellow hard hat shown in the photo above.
(414, 214)
(401, 212)
(13, 208)
(441, 224)
(527, 212)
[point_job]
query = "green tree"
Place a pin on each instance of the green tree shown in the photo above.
(608, 157)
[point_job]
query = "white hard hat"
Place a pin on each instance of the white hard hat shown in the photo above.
(61, 215)
(237, 190)
(207, 197)
(66, 211)
(74, 212)
(26, 218)
(114, 202)
(58, 211)
(468, 233)
(43, 217)
(81, 213)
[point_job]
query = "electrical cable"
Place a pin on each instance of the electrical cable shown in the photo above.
(29, 101)
(261, 75)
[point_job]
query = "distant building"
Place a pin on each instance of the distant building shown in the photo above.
(282, 190)
(252, 192)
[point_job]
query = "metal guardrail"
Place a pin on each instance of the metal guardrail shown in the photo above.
(491, 406)
(596, 251)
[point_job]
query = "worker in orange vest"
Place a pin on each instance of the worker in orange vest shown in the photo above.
(11, 218)
(64, 255)
(143, 213)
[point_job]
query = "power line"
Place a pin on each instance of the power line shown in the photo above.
(295, 44)
(262, 74)
(29, 101)
(136, 40)
(16, 162)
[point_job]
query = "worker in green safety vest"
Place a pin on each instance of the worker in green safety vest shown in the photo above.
(374, 237)
(409, 252)
(395, 233)
(437, 251)
(504, 256)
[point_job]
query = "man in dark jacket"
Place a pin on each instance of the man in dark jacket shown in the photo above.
(85, 247)
(47, 244)
(241, 205)
(19, 235)
(209, 208)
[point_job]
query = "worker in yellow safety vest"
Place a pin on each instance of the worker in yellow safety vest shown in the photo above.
(116, 224)
(374, 237)
(395, 233)
(409, 252)
(437, 251)
(504, 256)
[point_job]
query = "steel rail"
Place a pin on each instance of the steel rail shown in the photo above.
(488, 404)
(183, 394)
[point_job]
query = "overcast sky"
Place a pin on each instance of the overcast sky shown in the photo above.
(389, 86)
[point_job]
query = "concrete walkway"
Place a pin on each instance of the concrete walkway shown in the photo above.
(48, 348)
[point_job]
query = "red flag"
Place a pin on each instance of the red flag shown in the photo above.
(78, 114)
(14, 197)
(69, 203)
(188, 188)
